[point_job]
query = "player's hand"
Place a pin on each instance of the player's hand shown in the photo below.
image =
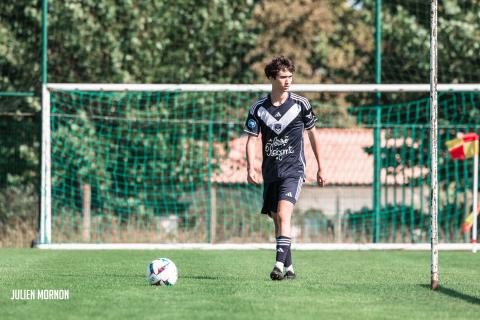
(252, 177)
(320, 179)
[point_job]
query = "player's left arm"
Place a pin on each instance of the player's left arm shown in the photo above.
(315, 143)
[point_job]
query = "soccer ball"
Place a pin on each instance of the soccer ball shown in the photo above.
(162, 271)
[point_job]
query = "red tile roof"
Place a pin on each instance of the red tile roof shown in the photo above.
(342, 156)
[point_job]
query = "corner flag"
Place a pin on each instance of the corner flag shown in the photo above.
(464, 148)
(468, 223)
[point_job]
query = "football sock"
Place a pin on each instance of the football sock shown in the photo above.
(283, 246)
(288, 260)
(279, 265)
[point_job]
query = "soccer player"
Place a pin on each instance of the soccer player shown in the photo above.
(281, 117)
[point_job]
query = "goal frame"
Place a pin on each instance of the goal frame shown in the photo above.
(45, 232)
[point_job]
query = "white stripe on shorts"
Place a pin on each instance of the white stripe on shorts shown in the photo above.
(299, 187)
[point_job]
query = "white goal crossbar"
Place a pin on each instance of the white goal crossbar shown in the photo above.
(340, 88)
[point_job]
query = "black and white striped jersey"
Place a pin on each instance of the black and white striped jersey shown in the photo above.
(282, 135)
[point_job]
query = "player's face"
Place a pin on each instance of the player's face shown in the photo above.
(283, 81)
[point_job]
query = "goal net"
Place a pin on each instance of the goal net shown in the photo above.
(166, 164)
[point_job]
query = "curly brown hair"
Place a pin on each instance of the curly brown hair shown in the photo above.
(278, 64)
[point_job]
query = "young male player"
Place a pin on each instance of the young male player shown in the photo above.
(281, 117)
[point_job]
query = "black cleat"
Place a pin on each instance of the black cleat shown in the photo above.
(276, 274)
(289, 275)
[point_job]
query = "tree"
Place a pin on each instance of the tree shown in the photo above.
(329, 42)
(406, 40)
(150, 41)
(111, 41)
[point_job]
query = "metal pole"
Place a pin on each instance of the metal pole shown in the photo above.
(378, 43)
(17, 94)
(433, 146)
(377, 137)
(210, 205)
(45, 183)
(475, 199)
(44, 41)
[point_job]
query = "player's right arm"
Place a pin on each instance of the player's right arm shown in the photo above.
(252, 128)
(252, 176)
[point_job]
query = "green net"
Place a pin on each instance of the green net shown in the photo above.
(149, 160)
(405, 164)
(171, 167)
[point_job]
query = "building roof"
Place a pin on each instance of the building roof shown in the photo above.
(343, 158)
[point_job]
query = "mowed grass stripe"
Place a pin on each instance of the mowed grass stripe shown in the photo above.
(235, 285)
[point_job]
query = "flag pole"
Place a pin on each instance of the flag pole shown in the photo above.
(475, 200)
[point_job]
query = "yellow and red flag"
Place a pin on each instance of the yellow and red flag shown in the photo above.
(464, 147)
(468, 223)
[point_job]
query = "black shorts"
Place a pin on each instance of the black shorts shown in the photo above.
(286, 189)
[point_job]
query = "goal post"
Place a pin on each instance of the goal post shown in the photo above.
(434, 146)
(45, 234)
(145, 152)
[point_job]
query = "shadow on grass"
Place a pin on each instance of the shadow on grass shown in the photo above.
(115, 275)
(103, 276)
(455, 294)
(202, 277)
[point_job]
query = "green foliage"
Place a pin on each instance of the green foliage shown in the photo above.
(19, 156)
(17, 203)
(135, 150)
(406, 43)
(113, 41)
(398, 223)
(150, 41)
(20, 48)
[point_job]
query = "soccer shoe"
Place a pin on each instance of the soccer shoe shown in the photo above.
(276, 274)
(289, 275)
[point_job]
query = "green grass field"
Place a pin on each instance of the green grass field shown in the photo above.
(235, 285)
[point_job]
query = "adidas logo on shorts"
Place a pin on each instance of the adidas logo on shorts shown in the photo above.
(289, 194)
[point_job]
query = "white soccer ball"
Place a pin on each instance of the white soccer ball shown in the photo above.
(162, 271)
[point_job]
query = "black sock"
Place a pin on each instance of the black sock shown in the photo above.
(283, 247)
(288, 259)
